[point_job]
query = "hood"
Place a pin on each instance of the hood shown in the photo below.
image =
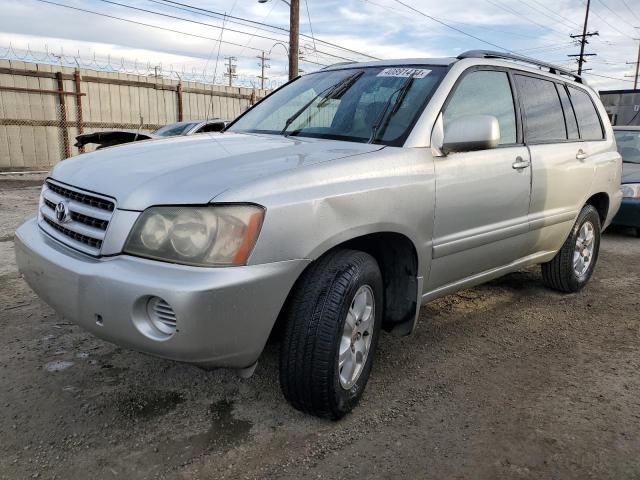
(194, 169)
(631, 172)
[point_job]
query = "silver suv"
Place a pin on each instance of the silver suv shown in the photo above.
(329, 211)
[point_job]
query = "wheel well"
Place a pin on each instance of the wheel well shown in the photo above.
(398, 261)
(600, 201)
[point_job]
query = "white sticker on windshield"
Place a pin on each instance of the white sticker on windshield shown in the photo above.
(404, 72)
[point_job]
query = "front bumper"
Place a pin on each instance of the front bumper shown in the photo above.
(629, 213)
(224, 315)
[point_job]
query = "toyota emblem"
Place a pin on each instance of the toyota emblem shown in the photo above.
(62, 213)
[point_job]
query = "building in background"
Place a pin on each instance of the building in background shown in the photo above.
(623, 106)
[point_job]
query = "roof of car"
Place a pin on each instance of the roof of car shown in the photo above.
(500, 58)
(394, 62)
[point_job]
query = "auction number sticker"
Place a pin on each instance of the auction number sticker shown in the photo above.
(404, 72)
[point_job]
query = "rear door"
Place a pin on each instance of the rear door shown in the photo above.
(482, 197)
(561, 172)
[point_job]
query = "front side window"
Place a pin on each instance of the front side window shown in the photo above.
(484, 93)
(588, 119)
(372, 104)
(628, 145)
(544, 119)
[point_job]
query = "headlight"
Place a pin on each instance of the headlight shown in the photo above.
(631, 190)
(203, 236)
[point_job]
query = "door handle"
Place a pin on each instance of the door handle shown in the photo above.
(581, 155)
(519, 164)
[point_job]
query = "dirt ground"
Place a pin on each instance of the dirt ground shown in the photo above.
(507, 380)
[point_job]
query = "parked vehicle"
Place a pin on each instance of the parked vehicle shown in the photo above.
(117, 137)
(336, 206)
(628, 140)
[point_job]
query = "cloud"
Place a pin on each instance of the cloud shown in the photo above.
(382, 28)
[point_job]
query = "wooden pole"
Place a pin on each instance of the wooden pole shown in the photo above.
(76, 81)
(294, 38)
(63, 116)
(179, 93)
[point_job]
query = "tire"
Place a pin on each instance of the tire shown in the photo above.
(311, 377)
(637, 232)
(560, 273)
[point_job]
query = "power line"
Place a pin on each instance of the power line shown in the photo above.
(452, 27)
(607, 76)
(541, 12)
(135, 22)
(209, 25)
(556, 13)
(629, 8)
(493, 30)
(218, 14)
(311, 28)
(607, 23)
(614, 12)
(517, 14)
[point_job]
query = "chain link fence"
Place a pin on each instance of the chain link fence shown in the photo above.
(44, 107)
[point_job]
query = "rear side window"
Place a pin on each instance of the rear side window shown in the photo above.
(544, 120)
(588, 119)
(484, 93)
(569, 114)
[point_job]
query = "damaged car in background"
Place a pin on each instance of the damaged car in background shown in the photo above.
(110, 138)
(628, 140)
(330, 211)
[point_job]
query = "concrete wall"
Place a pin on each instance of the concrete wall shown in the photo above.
(33, 124)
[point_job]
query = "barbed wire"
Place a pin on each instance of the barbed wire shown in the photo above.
(148, 69)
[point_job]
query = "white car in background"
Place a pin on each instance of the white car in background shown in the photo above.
(110, 138)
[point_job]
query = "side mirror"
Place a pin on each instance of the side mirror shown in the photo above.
(470, 133)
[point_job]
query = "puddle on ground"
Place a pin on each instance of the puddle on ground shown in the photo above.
(58, 366)
(224, 432)
(148, 404)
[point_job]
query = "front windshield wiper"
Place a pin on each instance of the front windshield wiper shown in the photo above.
(333, 91)
(383, 119)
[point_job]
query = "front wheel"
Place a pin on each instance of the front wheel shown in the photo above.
(573, 265)
(332, 325)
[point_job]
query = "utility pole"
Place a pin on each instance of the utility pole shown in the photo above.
(583, 40)
(294, 38)
(263, 64)
(231, 70)
(637, 64)
(635, 82)
(294, 35)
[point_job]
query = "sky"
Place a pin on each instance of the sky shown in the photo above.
(34, 29)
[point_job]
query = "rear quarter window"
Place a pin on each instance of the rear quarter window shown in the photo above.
(544, 118)
(587, 115)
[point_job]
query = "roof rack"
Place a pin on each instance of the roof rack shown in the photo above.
(519, 58)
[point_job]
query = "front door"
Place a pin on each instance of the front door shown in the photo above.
(482, 197)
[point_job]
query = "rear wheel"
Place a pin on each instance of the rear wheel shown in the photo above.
(573, 265)
(332, 325)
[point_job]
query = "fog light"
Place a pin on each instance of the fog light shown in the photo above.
(162, 316)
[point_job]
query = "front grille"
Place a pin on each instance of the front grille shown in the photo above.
(87, 217)
(92, 242)
(81, 197)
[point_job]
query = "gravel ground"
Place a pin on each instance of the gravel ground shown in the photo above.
(507, 380)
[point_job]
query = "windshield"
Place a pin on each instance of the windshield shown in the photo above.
(378, 105)
(174, 129)
(628, 145)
